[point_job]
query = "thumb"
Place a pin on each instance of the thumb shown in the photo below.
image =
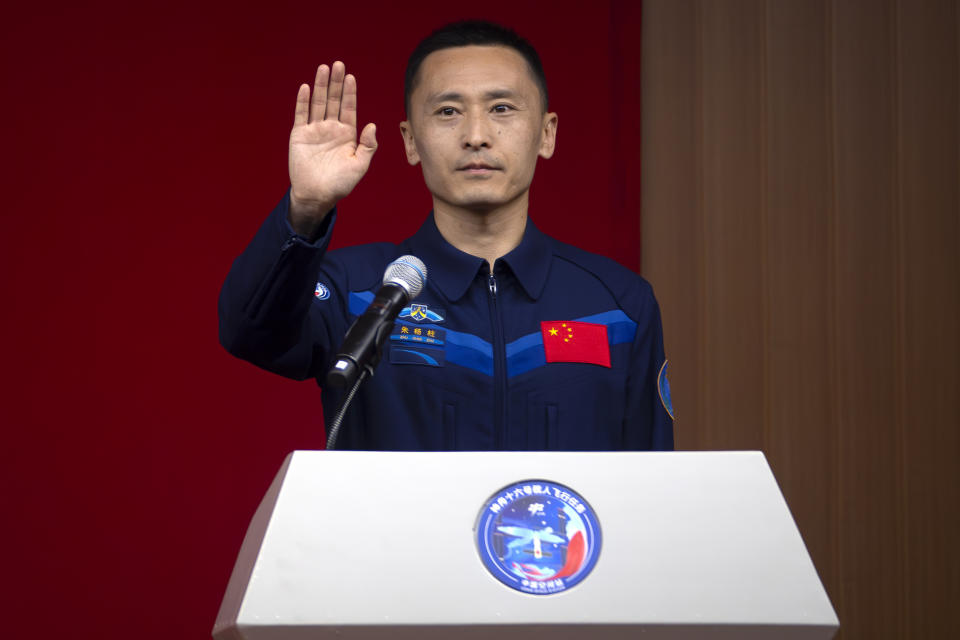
(368, 140)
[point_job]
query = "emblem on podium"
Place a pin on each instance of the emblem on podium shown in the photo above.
(538, 537)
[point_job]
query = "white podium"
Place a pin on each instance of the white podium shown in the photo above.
(358, 545)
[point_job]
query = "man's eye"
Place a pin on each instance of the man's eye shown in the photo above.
(446, 111)
(502, 108)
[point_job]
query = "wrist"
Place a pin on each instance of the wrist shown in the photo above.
(307, 216)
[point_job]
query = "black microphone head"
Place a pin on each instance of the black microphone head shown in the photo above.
(408, 272)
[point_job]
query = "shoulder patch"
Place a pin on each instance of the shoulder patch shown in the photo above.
(321, 292)
(663, 385)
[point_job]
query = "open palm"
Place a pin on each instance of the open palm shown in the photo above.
(326, 159)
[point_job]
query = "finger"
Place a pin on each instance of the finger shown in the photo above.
(368, 143)
(318, 105)
(302, 113)
(335, 91)
(348, 107)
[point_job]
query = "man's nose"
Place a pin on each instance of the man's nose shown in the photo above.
(476, 132)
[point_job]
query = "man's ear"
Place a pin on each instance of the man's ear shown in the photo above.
(549, 141)
(409, 144)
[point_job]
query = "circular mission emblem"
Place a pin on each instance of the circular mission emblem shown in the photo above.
(538, 537)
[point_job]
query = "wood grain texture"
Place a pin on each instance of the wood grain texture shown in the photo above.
(670, 194)
(930, 321)
(865, 138)
(799, 294)
(801, 225)
(732, 179)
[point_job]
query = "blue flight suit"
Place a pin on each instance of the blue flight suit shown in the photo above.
(465, 368)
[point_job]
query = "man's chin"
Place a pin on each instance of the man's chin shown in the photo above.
(481, 206)
(484, 202)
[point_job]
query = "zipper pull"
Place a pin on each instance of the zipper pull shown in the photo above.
(492, 285)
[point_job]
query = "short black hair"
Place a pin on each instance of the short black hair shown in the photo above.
(473, 32)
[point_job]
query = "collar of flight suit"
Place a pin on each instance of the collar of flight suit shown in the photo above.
(452, 270)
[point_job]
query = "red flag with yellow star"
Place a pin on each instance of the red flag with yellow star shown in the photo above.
(570, 341)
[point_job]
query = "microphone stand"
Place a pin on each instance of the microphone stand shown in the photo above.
(338, 417)
(338, 376)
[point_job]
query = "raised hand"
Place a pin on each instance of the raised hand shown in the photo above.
(326, 160)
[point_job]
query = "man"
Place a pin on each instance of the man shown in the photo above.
(518, 341)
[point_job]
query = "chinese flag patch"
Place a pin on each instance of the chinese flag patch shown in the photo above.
(569, 341)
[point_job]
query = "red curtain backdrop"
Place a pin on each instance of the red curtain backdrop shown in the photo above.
(143, 144)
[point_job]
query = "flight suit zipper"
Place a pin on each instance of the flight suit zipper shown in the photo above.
(499, 368)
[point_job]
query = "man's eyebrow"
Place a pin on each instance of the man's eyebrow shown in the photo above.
(453, 96)
(496, 94)
(446, 96)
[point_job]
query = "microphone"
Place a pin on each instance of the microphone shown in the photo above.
(362, 347)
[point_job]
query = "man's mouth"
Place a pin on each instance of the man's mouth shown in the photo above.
(477, 167)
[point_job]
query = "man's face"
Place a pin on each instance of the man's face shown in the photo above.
(476, 125)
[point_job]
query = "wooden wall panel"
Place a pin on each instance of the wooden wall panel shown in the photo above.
(798, 256)
(930, 321)
(731, 63)
(670, 153)
(801, 225)
(868, 522)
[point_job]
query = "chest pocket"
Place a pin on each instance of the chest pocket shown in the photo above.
(583, 413)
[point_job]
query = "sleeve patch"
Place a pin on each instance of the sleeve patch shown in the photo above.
(663, 386)
(321, 292)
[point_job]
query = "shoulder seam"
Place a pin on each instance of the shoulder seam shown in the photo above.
(603, 270)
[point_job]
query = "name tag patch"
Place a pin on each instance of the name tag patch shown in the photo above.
(418, 335)
(417, 345)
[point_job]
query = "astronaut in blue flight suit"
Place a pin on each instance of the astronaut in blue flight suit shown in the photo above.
(518, 341)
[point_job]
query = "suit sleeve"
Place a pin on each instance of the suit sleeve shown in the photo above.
(267, 309)
(648, 425)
